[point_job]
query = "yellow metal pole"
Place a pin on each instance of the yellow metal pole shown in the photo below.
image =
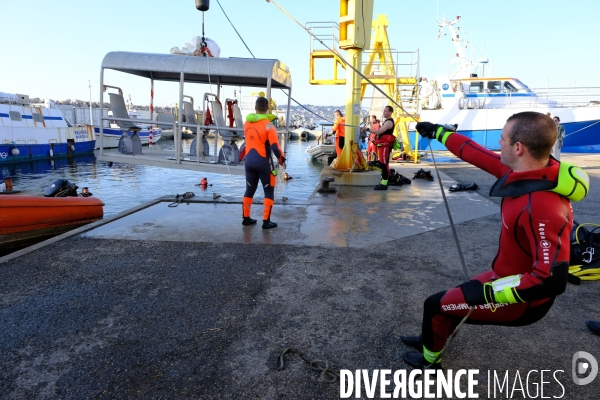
(355, 35)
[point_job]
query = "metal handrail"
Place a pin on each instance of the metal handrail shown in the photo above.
(570, 96)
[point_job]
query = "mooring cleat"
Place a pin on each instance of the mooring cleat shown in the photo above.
(248, 221)
(416, 360)
(268, 224)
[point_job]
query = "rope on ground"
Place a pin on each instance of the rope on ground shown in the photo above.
(327, 374)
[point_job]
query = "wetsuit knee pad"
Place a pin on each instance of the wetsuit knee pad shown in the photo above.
(433, 301)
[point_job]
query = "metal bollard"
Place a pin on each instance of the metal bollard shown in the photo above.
(325, 185)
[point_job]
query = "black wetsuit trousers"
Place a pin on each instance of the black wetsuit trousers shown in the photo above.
(259, 172)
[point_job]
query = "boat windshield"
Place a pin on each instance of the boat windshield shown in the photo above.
(521, 85)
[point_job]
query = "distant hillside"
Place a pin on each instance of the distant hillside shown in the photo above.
(302, 116)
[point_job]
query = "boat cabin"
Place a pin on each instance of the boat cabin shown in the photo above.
(474, 92)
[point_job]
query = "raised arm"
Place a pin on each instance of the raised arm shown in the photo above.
(464, 148)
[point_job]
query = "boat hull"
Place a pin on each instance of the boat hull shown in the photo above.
(29, 152)
(484, 126)
(30, 131)
(27, 219)
(319, 150)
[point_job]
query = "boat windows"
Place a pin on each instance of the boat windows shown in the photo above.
(509, 87)
(15, 116)
(523, 86)
(476, 87)
(37, 117)
(494, 86)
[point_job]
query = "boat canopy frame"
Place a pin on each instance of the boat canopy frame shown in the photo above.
(247, 72)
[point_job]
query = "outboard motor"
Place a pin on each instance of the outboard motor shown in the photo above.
(61, 188)
(229, 154)
(205, 148)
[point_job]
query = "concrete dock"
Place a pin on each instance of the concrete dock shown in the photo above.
(185, 302)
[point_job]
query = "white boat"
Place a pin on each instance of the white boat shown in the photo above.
(319, 150)
(38, 131)
(112, 134)
(481, 105)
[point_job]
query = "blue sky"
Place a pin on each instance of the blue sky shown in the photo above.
(52, 48)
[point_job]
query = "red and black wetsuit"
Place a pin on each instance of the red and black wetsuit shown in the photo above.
(535, 233)
(384, 145)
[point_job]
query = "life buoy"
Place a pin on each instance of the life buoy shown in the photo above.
(208, 119)
(230, 115)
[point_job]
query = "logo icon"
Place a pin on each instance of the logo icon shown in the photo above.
(545, 244)
(445, 86)
(582, 368)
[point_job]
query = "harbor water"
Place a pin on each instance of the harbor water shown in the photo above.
(123, 186)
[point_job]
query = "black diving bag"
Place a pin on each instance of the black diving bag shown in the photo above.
(585, 244)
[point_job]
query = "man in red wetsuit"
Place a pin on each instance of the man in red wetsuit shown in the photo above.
(531, 264)
(384, 140)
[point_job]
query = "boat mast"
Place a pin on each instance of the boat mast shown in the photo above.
(465, 67)
(91, 116)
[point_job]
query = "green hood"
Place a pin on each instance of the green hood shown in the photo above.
(257, 117)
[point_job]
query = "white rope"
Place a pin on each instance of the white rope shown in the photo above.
(216, 121)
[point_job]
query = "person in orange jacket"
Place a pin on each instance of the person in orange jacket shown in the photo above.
(261, 142)
(339, 128)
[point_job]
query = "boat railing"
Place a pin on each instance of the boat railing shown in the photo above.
(571, 96)
(324, 33)
(184, 124)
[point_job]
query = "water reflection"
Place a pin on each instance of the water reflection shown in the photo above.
(122, 186)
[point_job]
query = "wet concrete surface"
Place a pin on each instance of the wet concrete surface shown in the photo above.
(115, 315)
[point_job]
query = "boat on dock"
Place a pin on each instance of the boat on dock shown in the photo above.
(38, 131)
(480, 106)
